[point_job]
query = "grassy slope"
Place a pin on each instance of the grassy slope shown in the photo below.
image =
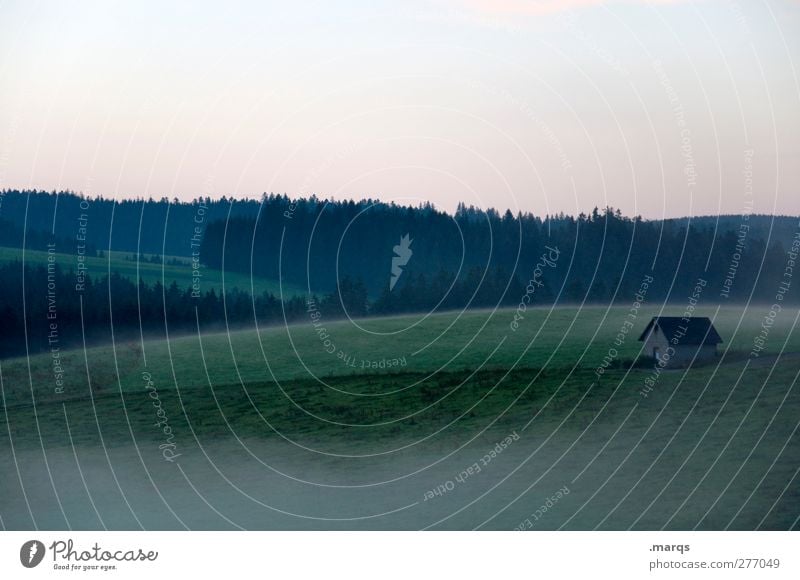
(557, 341)
(150, 273)
(729, 409)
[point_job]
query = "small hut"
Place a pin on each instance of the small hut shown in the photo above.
(675, 341)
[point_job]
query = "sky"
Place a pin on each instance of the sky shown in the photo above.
(660, 108)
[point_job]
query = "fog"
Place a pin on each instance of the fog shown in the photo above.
(616, 475)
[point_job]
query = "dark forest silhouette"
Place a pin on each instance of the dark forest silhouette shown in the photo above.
(342, 252)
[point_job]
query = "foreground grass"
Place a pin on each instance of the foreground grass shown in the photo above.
(390, 379)
(275, 412)
(560, 341)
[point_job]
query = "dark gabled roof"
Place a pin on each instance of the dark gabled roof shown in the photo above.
(695, 330)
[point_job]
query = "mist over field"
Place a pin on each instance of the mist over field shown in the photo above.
(559, 440)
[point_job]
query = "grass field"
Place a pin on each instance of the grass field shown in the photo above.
(154, 272)
(559, 341)
(340, 427)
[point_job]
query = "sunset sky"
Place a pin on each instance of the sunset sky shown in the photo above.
(658, 108)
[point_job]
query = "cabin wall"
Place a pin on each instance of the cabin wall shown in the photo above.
(655, 339)
(682, 354)
(685, 353)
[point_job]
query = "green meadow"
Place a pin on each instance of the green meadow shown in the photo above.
(174, 269)
(708, 447)
(388, 365)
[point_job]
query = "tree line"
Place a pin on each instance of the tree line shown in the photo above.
(482, 258)
(353, 257)
(41, 309)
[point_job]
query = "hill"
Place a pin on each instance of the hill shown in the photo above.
(152, 269)
(271, 444)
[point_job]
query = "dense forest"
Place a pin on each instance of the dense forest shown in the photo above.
(601, 256)
(147, 226)
(51, 311)
(363, 258)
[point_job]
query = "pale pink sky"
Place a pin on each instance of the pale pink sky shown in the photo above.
(652, 107)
